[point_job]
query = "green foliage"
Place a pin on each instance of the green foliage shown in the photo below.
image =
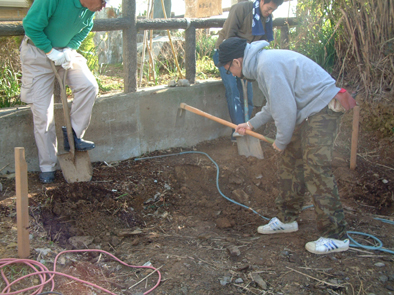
(102, 86)
(9, 86)
(314, 36)
(89, 51)
(170, 67)
(205, 44)
(10, 73)
(205, 68)
(275, 44)
(165, 66)
(205, 48)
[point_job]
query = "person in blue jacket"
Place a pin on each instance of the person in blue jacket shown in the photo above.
(251, 21)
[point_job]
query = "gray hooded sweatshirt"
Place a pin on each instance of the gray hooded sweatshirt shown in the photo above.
(294, 86)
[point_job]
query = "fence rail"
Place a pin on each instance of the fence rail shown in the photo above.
(15, 28)
(130, 27)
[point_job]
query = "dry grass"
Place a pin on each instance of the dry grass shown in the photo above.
(365, 45)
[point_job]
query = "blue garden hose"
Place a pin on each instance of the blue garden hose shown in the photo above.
(354, 243)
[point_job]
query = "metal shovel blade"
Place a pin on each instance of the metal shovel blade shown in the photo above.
(249, 146)
(75, 165)
(180, 118)
(76, 168)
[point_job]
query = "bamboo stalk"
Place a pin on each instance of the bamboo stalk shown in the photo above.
(143, 48)
(151, 59)
(172, 46)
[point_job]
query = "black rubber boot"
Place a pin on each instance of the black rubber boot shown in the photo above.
(47, 177)
(80, 144)
(65, 139)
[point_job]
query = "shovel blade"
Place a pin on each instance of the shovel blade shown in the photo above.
(250, 147)
(77, 168)
(180, 118)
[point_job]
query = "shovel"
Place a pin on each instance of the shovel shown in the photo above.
(75, 165)
(247, 145)
(181, 115)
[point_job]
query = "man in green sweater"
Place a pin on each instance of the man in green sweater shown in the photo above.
(54, 31)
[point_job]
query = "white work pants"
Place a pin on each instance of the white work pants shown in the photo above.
(37, 91)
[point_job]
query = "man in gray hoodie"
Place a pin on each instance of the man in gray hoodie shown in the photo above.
(306, 106)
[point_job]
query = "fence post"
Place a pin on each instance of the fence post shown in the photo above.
(190, 54)
(130, 47)
(284, 37)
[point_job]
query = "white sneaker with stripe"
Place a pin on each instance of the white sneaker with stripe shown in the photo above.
(275, 226)
(327, 245)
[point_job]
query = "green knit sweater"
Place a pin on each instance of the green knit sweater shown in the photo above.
(57, 23)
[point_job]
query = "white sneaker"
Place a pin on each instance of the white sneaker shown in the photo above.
(327, 245)
(275, 226)
(236, 134)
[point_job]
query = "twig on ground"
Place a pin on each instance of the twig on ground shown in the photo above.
(215, 266)
(146, 277)
(4, 167)
(245, 288)
(377, 164)
(176, 256)
(321, 281)
(359, 250)
(361, 290)
(371, 256)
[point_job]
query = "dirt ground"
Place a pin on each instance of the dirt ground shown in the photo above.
(168, 212)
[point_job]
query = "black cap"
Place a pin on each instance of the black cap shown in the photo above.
(230, 49)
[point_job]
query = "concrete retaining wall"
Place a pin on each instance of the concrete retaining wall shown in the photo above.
(127, 125)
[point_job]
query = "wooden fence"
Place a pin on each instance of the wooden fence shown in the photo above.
(130, 26)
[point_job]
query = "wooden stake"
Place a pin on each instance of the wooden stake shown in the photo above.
(22, 203)
(353, 151)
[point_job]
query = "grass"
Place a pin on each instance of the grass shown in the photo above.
(10, 73)
(9, 87)
(205, 68)
(109, 77)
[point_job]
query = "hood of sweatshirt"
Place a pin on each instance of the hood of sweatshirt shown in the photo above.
(249, 67)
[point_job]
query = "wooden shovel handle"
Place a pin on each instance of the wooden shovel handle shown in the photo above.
(66, 111)
(223, 122)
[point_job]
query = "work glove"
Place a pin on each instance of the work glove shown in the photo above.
(69, 54)
(56, 56)
(346, 100)
(342, 102)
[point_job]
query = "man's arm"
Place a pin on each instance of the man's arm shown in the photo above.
(76, 41)
(261, 117)
(234, 20)
(37, 20)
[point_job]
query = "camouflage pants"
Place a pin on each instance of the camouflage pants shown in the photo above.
(306, 165)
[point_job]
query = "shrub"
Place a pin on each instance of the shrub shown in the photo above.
(10, 72)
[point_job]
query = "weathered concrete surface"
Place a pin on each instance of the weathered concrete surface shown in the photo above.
(127, 125)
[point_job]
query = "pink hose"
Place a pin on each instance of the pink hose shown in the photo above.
(46, 276)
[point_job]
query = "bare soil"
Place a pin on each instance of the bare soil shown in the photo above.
(167, 211)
